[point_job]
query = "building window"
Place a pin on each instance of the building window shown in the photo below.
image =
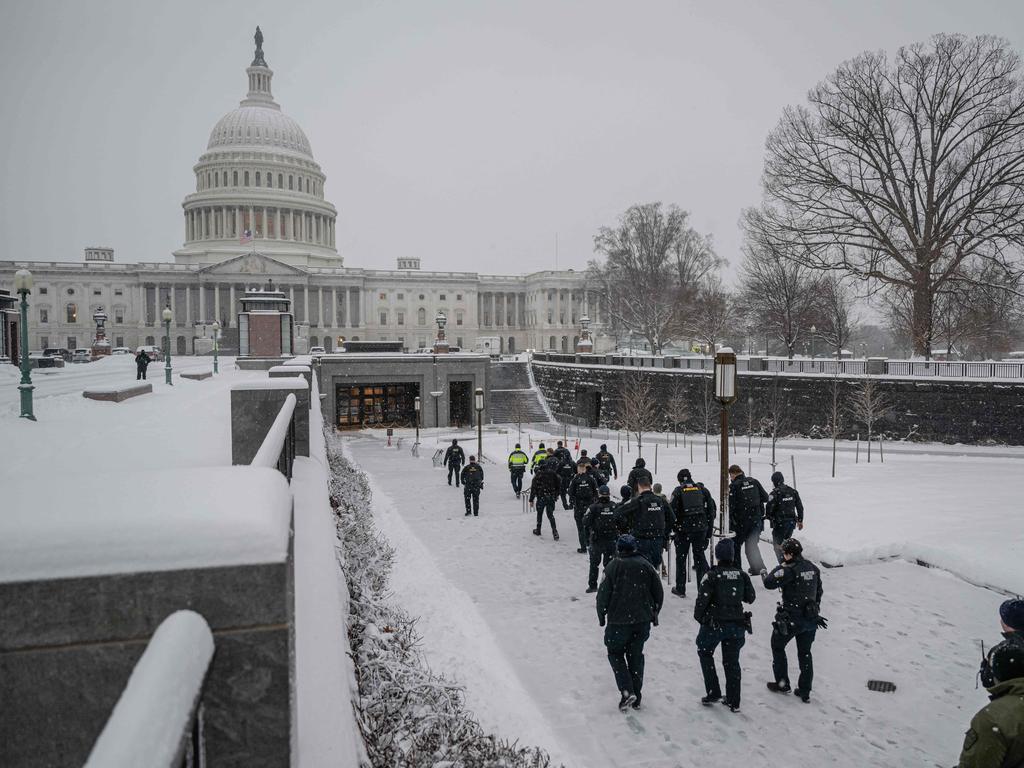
(383, 318)
(43, 291)
(421, 316)
(72, 313)
(247, 178)
(307, 186)
(257, 178)
(280, 181)
(118, 292)
(458, 318)
(551, 316)
(72, 342)
(119, 341)
(44, 341)
(401, 296)
(401, 318)
(97, 292)
(458, 297)
(119, 317)
(458, 342)
(225, 179)
(421, 297)
(270, 179)
(44, 315)
(234, 178)
(443, 297)
(290, 180)
(71, 291)
(383, 297)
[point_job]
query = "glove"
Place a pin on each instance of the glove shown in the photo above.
(654, 620)
(799, 526)
(822, 622)
(764, 572)
(600, 621)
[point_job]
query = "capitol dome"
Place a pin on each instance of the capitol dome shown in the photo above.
(258, 187)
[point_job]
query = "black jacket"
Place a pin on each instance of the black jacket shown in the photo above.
(545, 484)
(784, 506)
(723, 590)
(747, 498)
(472, 477)
(599, 522)
(583, 490)
(634, 476)
(630, 592)
(607, 462)
(454, 455)
(142, 360)
(800, 582)
(646, 516)
(682, 525)
(563, 455)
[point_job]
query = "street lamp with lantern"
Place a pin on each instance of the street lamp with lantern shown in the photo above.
(168, 316)
(216, 344)
(725, 394)
(23, 285)
(814, 330)
(416, 407)
(479, 398)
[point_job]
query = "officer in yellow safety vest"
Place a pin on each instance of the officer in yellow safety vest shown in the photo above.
(517, 462)
(538, 456)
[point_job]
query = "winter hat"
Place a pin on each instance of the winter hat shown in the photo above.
(604, 447)
(625, 492)
(777, 478)
(603, 491)
(641, 463)
(725, 551)
(684, 475)
(792, 547)
(1007, 660)
(1012, 614)
(518, 445)
(626, 544)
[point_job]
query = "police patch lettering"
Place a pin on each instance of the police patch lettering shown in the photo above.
(730, 575)
(808, 575)
(779, 572)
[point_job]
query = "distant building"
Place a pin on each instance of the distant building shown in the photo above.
(258, 211)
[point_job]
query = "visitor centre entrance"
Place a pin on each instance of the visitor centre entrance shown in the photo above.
(377, 405)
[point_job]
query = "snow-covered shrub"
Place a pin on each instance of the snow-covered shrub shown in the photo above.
(409, 717)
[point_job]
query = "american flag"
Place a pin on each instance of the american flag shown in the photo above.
(246, 237)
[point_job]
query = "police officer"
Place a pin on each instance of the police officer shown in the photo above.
(996, 735)
(648, 518)
(583, 491)
(746, 512)
(693, 508)
(543, 493)
(562, 453)
(566, 469)
(628, 600)
(607, 462)
(1011, 622)
(784, 511)
(517, 463)
(454, 458)
(595, 471)
(601, 529)
(472, 484)
(797, 617)
(639, 471)
(538, 456)
(719, 610)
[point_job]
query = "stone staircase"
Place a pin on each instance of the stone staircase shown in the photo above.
(513, 398)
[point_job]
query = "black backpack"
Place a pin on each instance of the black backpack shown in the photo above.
(693, 516)
(785, 504)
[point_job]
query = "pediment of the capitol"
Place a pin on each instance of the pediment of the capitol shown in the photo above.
(253, 264)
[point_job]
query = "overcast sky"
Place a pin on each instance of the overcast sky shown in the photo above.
(471, 134)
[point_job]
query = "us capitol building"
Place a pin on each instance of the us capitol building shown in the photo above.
(259, 213)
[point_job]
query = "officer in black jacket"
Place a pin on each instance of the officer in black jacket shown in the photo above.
(1011, 623)
(472, 484)
(543, 493)
(784, 511)
(797, 617)
(601, 529)
(582, 492)
(454, 458)
(693, 508)
(562, 453)
(566, 469)
(607, 463)
(637, 473)
(648, 518)
(719, 609)
(628, 600)
(746, 515)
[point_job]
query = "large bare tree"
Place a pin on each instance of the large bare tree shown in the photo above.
(898, 172)
(637, 407)
(712, 314)
(648, 270)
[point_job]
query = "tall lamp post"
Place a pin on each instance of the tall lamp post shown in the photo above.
(168, 316)
(479, 397)
(725, 394)
(416, 406)
(216, 344)
(23, 285)
(814, 330)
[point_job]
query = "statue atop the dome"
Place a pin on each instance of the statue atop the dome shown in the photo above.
(258, 60)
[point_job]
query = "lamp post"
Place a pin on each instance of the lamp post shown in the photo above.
(216, 344)
(814, 330)
(23, 285)
(725, 394)
(168, 316)
(416, 406)
(479, 398)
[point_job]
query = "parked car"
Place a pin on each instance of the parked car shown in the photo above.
(82, 356)
(153, 353)
(120, 351)
(63, 354)
(317, 351)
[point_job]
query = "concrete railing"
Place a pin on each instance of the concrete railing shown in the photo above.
(158, 720)
(278, 447)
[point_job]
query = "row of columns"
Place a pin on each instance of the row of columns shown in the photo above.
(229, 221)
(501, 309)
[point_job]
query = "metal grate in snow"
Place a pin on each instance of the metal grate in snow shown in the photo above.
(881, 686)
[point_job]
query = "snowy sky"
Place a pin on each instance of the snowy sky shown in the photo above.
(468, 133)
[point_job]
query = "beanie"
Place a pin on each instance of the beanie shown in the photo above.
(684, 475)
(603, 491)
(1007, 660)
(604, 447)
(1012, 614)
(641, 463)
(626, 544)
(777, 478)
(625, 492)
(725, 551)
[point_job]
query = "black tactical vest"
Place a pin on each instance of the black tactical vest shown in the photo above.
(649, 518)
(602, 521)
(785, 504)
(800, 594)
(692, 515)
(727, 598)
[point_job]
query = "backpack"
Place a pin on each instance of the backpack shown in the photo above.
(693, 517)
(785, 505)
(751, 500)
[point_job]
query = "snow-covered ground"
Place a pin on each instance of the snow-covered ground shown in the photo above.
(505, 612)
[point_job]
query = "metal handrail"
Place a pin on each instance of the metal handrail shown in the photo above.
(278, 447)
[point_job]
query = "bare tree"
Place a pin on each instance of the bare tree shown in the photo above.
(900, 172)
(707, 412)
(869, 405)
(711, 315)
(677, 409)
(652, 262)
(775, 420)
(837, 316)
(638, 411)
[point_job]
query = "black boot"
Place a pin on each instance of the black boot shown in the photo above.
(805, 696)
(710, 699)
(679, 592)
(591, 588)
(554, 534)
(734, 706)
(536, 531)
(636, 702)
(782, 687)
(627, 699)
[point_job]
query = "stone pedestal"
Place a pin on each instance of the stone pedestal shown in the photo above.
(255, 405)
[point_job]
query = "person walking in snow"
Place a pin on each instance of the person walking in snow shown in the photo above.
(566, 469)
(647, 517)
(607, 463)
(517, 463)
(601, 529)
(538, 456)
(472, 484)
(628, 602)
(543, 494)
(719, 611)
(797, 617)
(454, 458)
(746, 517)
(637, 473)
(582, 491)
(784, 511)
(693, 510)
(1011, 622)
(141, 364)
(996, 736)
